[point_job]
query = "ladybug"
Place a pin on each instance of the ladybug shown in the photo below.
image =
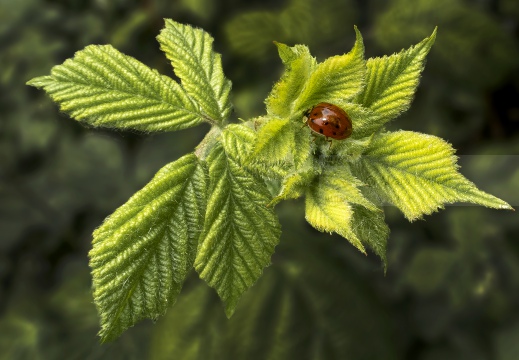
(329, 120)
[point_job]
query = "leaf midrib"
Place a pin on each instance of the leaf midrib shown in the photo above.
(236, 230)
(137, 276)
(377, 160)
(137, 95)
(207, 76)
(404, 66)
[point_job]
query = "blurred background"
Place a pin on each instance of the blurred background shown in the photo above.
(452, 286)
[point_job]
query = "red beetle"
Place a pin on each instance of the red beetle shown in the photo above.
(329, 120)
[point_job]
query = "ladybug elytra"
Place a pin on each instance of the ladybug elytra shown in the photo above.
(329, 120)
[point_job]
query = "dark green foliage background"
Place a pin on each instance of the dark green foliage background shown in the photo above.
(452, 286)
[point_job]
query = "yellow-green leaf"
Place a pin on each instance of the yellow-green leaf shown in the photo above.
(329, 203)
(418, 174)
(338, 78)
(299, 64)
(275, 141)
(294, 184)
(391, 82)
(282, 141)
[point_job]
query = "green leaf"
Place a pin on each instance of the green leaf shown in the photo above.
(362, 119)
(198, 67)
(143, 251)
(294, 184)
(299, 65)
(329, 203)
(418, 174)
(302, 145)
(352, 149)
(371, 229)
(338, 78)
(282, 141)
(240, 231)
(275, 141)
(391, 82)
(106, 88)
(246, 136)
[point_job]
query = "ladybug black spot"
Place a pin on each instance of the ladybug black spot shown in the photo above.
(334, 133)
(337, 126)
(321, 131)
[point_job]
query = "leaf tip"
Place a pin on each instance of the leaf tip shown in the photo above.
(358, 38)
(169, 21)
(355, 241)
(38, 82)
(357, 31)
(230, 308)
(281, 47)
(432, 38)
(106, 336)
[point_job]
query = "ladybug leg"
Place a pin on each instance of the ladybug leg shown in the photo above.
(331, 142)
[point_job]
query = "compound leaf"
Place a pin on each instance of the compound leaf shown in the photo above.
(143, 251)
(198, 67)
(104, 87)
